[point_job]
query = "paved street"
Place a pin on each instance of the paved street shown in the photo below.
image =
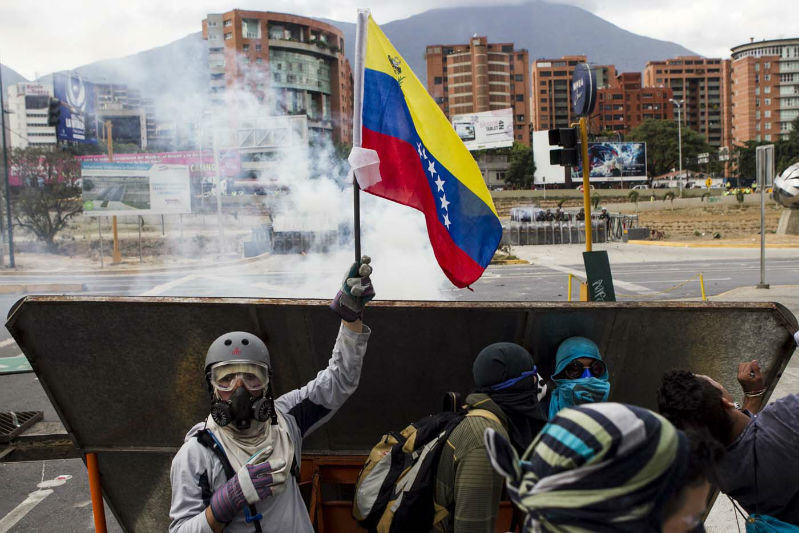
(639, 273)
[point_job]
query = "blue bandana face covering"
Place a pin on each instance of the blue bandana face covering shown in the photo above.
(586, 389)
(573, 392)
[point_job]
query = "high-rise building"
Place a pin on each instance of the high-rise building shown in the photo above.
(293, 64)
(765, 89)
(704, 86)
(625, 104)
(481, 76)
(26, 120)
(122, 106)
(550, 99)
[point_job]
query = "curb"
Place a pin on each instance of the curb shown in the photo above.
(134, 271)
(510, 262)
(41, 287)
(707, 245)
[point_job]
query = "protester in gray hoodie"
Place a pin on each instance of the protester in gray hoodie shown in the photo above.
(237, 470)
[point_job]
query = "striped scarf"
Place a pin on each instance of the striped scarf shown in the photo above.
(601, 467)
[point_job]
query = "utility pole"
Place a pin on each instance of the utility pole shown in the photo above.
(5, 173)
(116, 256)
(679, 104)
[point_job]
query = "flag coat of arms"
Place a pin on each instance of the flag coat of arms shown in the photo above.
(424, 164)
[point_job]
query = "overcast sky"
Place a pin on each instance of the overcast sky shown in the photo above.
(38, 37)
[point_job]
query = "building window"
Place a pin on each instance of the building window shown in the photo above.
(251, 28)
(768, 77)
(519, 98)
(257, 47)
(518, 77)
(767, 113)
(438, 80)
(767, 90)
(245, 48)
(228, 36)
(767, 65)
(767, 101)
(228, 23)
(259, 61)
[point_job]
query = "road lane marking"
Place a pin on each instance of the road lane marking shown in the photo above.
(34, 498)
(616, 283)
(160, 289)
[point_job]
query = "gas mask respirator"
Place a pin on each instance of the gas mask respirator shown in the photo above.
(242, 408)
(249, 399)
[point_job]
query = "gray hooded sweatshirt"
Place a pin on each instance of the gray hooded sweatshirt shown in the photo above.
(197, 473)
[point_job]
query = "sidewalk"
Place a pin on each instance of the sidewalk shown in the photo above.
(722, 518)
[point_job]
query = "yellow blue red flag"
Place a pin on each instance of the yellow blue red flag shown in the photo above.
(424, 164)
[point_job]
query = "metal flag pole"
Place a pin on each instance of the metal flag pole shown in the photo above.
(357, 114)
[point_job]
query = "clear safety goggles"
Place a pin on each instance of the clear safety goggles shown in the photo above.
(226, 376)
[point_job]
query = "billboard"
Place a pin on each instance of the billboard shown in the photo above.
(489, 129)
(615, 161)
(200, 163)
(134, 189)
(77, 108)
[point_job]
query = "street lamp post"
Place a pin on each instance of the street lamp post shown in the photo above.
(679, 104)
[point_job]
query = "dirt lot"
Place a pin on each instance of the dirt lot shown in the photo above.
(740, 225)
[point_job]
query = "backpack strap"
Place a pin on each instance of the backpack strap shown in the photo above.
(484, 413)
(207, 439)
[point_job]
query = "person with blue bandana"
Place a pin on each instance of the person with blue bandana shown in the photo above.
(580, 376)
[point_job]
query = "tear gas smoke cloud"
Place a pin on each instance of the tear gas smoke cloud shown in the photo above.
(319, 196)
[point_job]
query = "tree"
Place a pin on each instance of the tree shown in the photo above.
(49, 195)
(521, 166)
(662, 148)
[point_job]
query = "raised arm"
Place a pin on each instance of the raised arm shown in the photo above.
(313, 404)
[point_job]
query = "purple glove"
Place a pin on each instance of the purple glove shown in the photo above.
(356, 291)
(251, 484)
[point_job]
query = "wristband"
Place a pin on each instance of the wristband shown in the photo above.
(755, 394)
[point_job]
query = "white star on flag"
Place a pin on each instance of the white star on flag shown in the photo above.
(422, 151)
(440, 183)
(444, 202)
(431, 168)
(446, 220)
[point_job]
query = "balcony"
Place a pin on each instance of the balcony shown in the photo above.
(318, 47)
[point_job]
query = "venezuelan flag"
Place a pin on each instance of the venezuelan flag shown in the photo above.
(424, 164)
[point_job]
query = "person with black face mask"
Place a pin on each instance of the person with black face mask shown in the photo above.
(237, 470)
(506, 385)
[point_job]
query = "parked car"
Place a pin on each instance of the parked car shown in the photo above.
(640, 187)
(580, 188)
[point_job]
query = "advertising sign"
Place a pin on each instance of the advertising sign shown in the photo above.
(134, 189)
(200, 163)
(77, 108)
(583, 89)
(615, 161)
(489, 129)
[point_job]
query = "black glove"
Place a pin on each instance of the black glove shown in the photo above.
(355, 292)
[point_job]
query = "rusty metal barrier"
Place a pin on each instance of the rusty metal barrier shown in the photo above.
(125, 374)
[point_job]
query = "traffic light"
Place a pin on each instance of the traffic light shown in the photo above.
(567, 155)
(53, 112)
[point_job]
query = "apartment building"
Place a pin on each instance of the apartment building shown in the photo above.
(26, 120)
(550, 98)
(765, 89)
(294, 65)
(703, 85)
(481, 76)
(625, 104)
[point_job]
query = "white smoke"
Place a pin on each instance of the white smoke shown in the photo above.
(320, 196)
